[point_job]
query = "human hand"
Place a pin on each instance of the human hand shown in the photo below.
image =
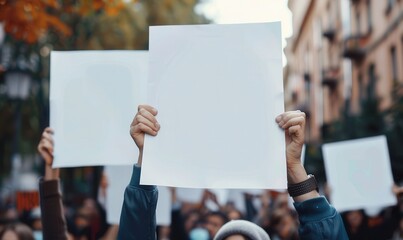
(144, 123)
(45, 149)
(45, 146)
(293, 122)
(397, 190)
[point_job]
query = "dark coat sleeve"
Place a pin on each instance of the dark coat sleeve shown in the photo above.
(53, 220)
(137, 219)
(319, 220)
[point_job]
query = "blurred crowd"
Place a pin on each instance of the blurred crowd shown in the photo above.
(272, 210)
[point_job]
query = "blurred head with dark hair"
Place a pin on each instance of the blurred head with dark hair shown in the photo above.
(213, 221)
(16, 231)
(234, 214)
(284, 223)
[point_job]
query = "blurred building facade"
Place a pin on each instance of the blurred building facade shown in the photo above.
(340, 53)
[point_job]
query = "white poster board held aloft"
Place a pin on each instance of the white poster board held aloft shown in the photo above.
(218, 90)
(93, 98)
(118, 177)
(359, 173)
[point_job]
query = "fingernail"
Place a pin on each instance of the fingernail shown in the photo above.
(157, 125)
(281, 123)
(278, 118)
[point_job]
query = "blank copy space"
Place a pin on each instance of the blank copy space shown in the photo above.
(359, 173)
(218, 89)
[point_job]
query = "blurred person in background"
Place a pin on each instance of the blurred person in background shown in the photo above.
(213, 221)
(35, 223)
(398, 233)
(16, 231)
(375, 224)
(284, 225)
(89, 221)
(356, 225)
(234, 214)
(53, 220)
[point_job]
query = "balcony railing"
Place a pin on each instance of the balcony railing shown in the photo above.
(330, 77)
(354, 47)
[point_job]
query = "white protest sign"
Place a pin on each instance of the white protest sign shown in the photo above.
(93, 98)
(359, 173)
(218, 90)
(164, 207)
(189, 195)
(118, 178)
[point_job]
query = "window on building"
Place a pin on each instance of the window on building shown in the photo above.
(393, 59)
(390, 5)
(371, 81)
(369, 15)
(358, 21)
(361, 92)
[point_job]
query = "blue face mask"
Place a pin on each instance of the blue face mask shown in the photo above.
(199, 234)
(38, 235)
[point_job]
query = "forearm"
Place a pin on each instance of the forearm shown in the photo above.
(297, 174)
(53, 220)
(51, 173)
(137, 220)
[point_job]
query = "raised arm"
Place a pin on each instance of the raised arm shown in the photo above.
(53, 220)
(137, 220)
(318, 219)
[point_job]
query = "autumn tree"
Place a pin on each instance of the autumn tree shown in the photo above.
(35, 27)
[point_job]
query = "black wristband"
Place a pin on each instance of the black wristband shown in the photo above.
(303, 187)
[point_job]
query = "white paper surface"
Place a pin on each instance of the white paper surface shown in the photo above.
(218, 89)
(118, 178)
(359, 173)
(189, 195)
(164, 207)
(93, 98)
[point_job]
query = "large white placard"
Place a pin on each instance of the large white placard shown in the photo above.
(164, 206)
(218, 89)
(118, 178)
(359, 173)
(93, 99)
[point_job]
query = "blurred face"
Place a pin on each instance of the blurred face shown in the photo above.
(10, 235)
(234, 215)
(213, 224)
(354, 218)
(235, 237)
(286, 227)
(191, 222)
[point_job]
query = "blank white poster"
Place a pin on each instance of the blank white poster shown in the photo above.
(359, 173)
(189, 195)
(164, 206)
(93, 98)
(218, 89)
(118, 178)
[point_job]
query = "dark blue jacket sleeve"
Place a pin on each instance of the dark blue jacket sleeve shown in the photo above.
(137, 219)
(319, 220)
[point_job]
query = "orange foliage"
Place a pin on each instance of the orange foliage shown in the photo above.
(29, 20)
